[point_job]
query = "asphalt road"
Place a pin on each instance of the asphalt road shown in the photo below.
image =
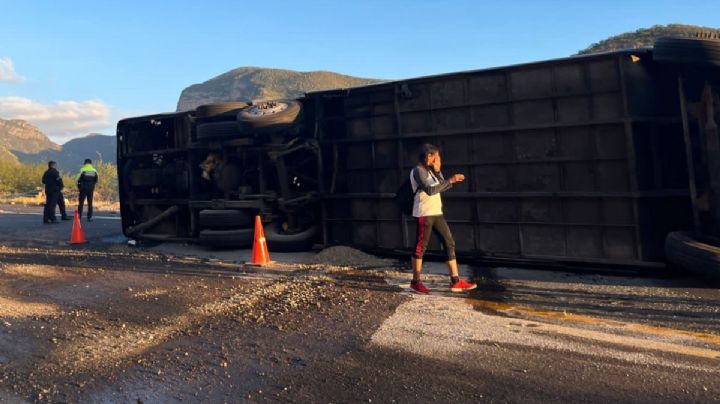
(523, 336)
(22, 225)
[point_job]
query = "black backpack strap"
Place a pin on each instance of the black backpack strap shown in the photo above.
(412, 174)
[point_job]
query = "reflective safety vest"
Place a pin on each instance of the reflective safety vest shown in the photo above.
(87, 175)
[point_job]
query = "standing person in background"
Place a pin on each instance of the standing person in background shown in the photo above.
(427, 183)
(53, 185)
(86, 180)
(61, 202)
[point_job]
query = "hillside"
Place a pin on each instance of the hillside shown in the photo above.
(253, 83)
(20, 136)
(645, 37)
(6, 156)
(71, 155)
(21, 141)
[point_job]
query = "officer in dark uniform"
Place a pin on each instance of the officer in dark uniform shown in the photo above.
(61, 204)
(53, 185)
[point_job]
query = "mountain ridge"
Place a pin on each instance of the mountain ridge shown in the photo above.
(17, 135)
(95, 146)
(250, 83)
(646, 37)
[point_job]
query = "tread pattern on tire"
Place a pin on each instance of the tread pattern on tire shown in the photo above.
(219, 108)
(240, 238)
(225, 218)
(686, 251)
(302, 241)
(687, 51)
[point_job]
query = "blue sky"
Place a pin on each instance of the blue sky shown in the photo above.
(74, 67)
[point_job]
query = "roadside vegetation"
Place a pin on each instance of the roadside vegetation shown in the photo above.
(645, 37)
(22, 183)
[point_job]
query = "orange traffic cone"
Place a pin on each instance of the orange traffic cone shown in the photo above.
(78, 235)
(260, 254)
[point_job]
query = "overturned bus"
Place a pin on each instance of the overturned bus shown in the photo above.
(608, 158)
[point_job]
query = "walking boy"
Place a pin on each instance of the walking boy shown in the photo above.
(427, 183)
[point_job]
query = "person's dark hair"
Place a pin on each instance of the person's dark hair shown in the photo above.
(87, 161)
(51, 164)
(425, 150)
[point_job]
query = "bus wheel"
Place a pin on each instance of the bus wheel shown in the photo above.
(270, 116)
(233, 238)
(227, 110)
(695, 254)
(225, 218)
(703, 52)
(288, 242)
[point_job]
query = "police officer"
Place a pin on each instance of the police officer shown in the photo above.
(86, 180)
(61, 202)
(53, 185)
(61, 205)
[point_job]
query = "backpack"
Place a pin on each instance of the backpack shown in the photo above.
(405, 197)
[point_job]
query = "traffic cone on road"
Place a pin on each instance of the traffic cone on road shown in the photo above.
(260, 254)
(78, 235)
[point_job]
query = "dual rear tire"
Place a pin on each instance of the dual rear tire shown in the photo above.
(234, 228)
(232, 120)
(226, 228)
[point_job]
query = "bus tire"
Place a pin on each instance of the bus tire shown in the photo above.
(229, 109)
(235, 238)
(225, 218)
(270, 116)
(301, 241)
(701, 52)
(693, 254)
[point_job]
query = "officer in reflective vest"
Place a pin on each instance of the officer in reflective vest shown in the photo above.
(86, 180)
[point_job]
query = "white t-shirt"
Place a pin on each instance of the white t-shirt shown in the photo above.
(427, 200)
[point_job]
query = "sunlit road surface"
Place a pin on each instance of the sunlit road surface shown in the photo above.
(580, 337)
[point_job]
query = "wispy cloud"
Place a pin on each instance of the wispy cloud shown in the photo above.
(8, 73)
(61, 119)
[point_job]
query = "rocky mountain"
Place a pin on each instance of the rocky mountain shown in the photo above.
(6, 156)
(71, 154)
(645, 37)
(23, 142)
(254, 83)
(20, 136)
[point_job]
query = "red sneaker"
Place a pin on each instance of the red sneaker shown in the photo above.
(419, 287)
(462, 286)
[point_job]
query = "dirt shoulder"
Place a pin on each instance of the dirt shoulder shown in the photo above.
(140, 326)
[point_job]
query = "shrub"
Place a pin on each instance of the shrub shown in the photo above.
(18, 177)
